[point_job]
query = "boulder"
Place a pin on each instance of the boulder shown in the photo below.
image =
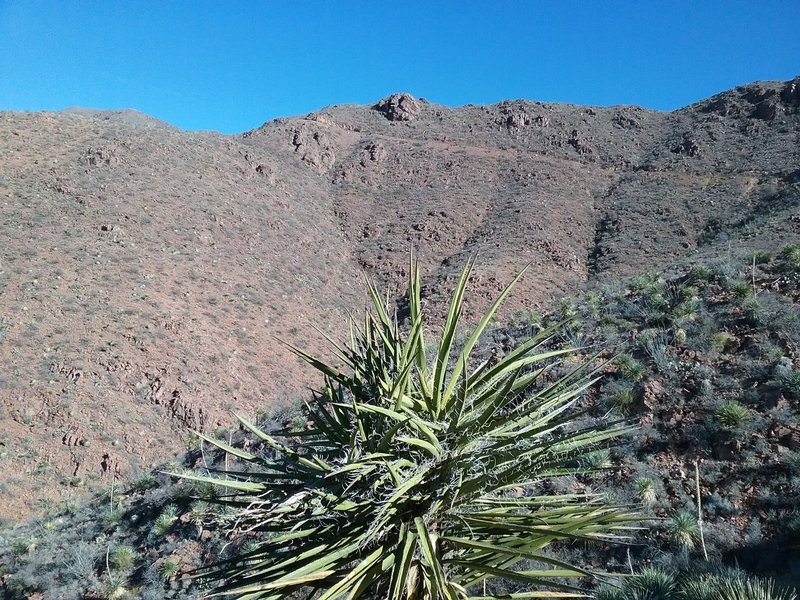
(398, 107)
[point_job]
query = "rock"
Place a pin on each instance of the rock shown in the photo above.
(790, 94)
(722, 106)
(766, 105)
(398, 107)
(726, 448)
(313, 147)
(513, 116)
(579, 143)
(652, 390)
(103, 155)
(767, 110)
(517, 120)
(374, 153)
(788, 436)
(688, 146)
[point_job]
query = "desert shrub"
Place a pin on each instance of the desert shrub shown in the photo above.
(717, 505)
(114, 587)
(596, 460)
(623, 397)
(721, 340)
(144, 482)
(594, 303)
(166, 519)
(790, 260)
(686, 310)
(123, 558)
(740, 289)
(420, 476)
(655, 583)
(751, 589)
(647, 285)
(568, 308)
(683, 529)
(645, 490)
(758, 257)
(792, 462)
(788, 377)
(732, 414)
(629, 367)
(656, 345)
(649, 584)
(700, 273)
(169, 568)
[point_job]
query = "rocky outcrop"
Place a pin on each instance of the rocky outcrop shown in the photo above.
(314, 147)
(399, 107)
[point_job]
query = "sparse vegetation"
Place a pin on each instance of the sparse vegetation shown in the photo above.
(699, 388)
(657, 584)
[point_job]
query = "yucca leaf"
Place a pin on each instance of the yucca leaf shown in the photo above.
(415, 309)
(385, 442)
(226, 447)
(374, 408)
(479, 329)
(516, 547)
(439, 581)
(439, 395)
(400, 493)
(278, 584)
(535, 577)
(228, 483)
(354, 575)
(456, 405)
(429, 448)
(404, 553)
(276, 445)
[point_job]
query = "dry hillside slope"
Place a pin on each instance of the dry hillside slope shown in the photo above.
(146, 272)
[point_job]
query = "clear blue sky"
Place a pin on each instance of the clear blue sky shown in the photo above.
(230, 65)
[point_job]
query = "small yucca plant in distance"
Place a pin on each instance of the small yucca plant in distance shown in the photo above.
(684, 529)
(645, 490)
(415, 478)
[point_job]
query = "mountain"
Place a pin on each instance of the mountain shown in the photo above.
(149, 277)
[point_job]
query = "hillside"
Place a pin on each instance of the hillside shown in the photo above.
(706, 367)
(146, 272)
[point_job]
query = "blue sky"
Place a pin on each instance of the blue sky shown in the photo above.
(230, 65)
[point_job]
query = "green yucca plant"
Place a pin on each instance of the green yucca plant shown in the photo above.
(414, 478)
(645, 490)
(732, 414)
(684, 529)
(656, 584)
(753, 589)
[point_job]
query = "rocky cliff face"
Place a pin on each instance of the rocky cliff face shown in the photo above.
(146, 273)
